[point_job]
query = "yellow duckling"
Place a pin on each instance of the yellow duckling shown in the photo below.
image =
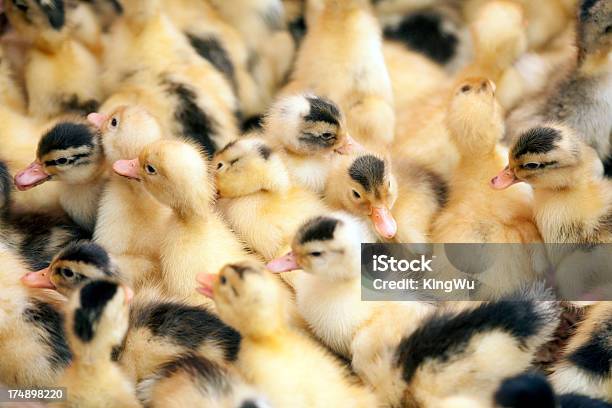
(258, 198)
(194, 239)
(290, 368)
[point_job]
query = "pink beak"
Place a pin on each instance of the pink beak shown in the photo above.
(504, 179)
(207, 281)
(285, 263)
(350, 146)
(128, 168)
(97, 119)
(31, 176)
(384, 222)
(40, 279)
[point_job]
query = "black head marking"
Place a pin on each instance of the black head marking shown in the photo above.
(368, 170)
(6, 186)
(536, 140)
(585, 8)
(594, 355)
(51, 322)
(322, 110)
(54, 10)
(188, 326)
(264, 151)
(87, 252)
(526, 390)
(74, 105)
(195, 124)
(298, 29)
(318, 229)
(444, 335)
(205, 374)
(241, 269)
(94, 297)
(66, 135)
(424, 32)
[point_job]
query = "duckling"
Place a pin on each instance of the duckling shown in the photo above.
(308, 130)
(125, 208)
(499, 39)
(34, 347)
(36, 236)
(52, 83)
(476, 125)
(220, 44)
(572, 203)
(256, 194)
(328, 295)
(195, 238)
(400, 202)
(269, 43)
(578, 96)
(354, 47)
(287, 366)
(192, 380)
(161, 328)
(70, 152)
(584, 368)
(97, 321)
(471, 349)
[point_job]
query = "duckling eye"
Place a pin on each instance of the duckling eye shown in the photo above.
(356, 194)
(114, 122)
(66, 273)
(327, 136)
(316, 254)
(223, 280)
(62, 160)
(21, 5)
(219, 166)
(150, 169)
(531, 166)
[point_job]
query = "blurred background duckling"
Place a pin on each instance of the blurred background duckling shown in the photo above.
(256, 194)
(578, 94)
(126, 210)
(308, 131)
(572, 202)
(400, 201)
(195, 238)
(354, 47)
(53, 82)
(585, 368)
(35, 235)
(290, 368)
(96, 322)
(498, 43)
(71, 153)
(221, 44)
(269, 44)
(34, 347)
(192, 380)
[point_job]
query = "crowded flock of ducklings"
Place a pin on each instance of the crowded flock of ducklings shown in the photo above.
(185, 186)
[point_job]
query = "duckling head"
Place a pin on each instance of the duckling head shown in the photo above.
(75, 265)
(548, 157)
(366, 187)
(247, 166)
(174, 172)
(326, 246)
(595, 28)
(246, 295)
(97, 318)
(307, 124)
(70, 152)
(474, 117)
(41, 21)
(125, 131)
